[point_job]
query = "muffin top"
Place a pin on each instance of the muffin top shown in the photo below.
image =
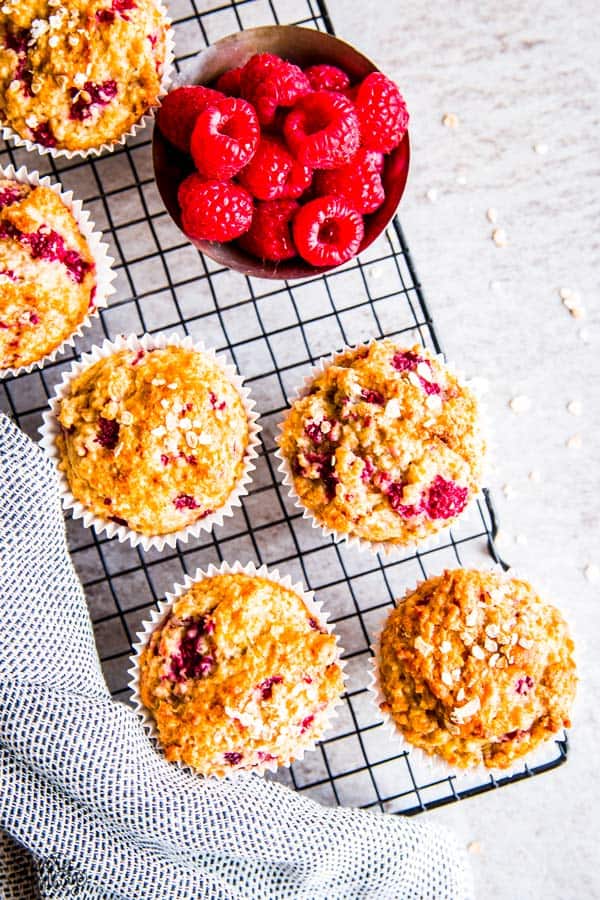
(386, 444)
(239, 674)
(75, 74)
(47, 273)
(476, 668)
(153, 440)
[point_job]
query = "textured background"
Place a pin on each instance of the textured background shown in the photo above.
(516, 74)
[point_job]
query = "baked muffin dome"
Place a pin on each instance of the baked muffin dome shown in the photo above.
(77, 74)
(239, 674)
(385, 445)
(47, 273)
(476, 668)
(153, 439)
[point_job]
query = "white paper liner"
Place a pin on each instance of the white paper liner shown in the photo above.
(51, 428)
(354, 541)
(105, 274)
(315, 609)
(435, 765)
(9, 134)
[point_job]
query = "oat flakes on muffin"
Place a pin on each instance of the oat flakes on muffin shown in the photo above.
(385, 445)
(476, 668)
(47, 273)
(239, 674)
(153, 439)
(77, 74)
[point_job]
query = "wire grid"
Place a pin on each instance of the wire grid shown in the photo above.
(273, 332)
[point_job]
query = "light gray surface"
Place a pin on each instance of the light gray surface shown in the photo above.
(516, 74)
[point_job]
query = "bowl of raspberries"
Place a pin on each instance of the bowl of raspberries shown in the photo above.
(285, 155)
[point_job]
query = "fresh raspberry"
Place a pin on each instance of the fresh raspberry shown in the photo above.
(359, 182)
(327, 231)
(327, 78)
(214, 210)
(179, 111)
(229, 82)
(225, 138)
(269, 82)
(322, 130)
(273, 172)
(445, 499)
(270, 235)
(382, 113)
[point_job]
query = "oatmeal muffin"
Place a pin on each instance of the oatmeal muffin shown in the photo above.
(47, 273)
(239, 674)
(76, 74)
(153, 439)
(476, 668)
(385, 445)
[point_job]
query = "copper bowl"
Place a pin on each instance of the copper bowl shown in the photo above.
(305, 47)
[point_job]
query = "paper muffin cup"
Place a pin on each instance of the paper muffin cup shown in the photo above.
(9, 134)
(51, 428)
(164, 606)
(435, 766)
(354, 541)
(105, 274)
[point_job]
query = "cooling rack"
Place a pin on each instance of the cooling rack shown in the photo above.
(273, 332)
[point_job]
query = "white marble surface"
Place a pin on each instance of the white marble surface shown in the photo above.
(516, 74)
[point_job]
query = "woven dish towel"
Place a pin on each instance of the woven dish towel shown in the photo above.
(89, 810)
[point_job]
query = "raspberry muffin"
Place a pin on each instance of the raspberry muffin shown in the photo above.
(239, 674)
(475, 668)
(47, 273)
(153, 439)
(78, 74)
(384, 445)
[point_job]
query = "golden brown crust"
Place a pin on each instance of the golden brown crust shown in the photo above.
(386, 445)
(43, 298)
(239, 674)
(476, 668)
(52, 51)
(153, 439)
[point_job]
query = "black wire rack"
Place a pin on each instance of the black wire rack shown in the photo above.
(273, 332)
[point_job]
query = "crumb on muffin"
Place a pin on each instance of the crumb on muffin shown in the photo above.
(385, 445)
(47, 273)
(76, 74)
(239, 674)
(476, 668)
(153, 439)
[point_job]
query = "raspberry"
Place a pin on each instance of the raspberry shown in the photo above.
(233, 757)
(273, 172)
(269, 236)
(214, 210)
(108, 433)
(224, 138)
(524, 685)
(179, 111)
(382, 113)
(42, 134)
(359, 182)
(268, 82)
(93, 94)
(266, 687)
(230, 82)
(372, 397)
(327, 231)
(445, 499)
(322, 131)
(327, 78)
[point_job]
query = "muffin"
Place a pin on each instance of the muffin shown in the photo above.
(153, 439)
(384, 445)
(77, 74)
(47, 273)
(239, 674)
(475, 668)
